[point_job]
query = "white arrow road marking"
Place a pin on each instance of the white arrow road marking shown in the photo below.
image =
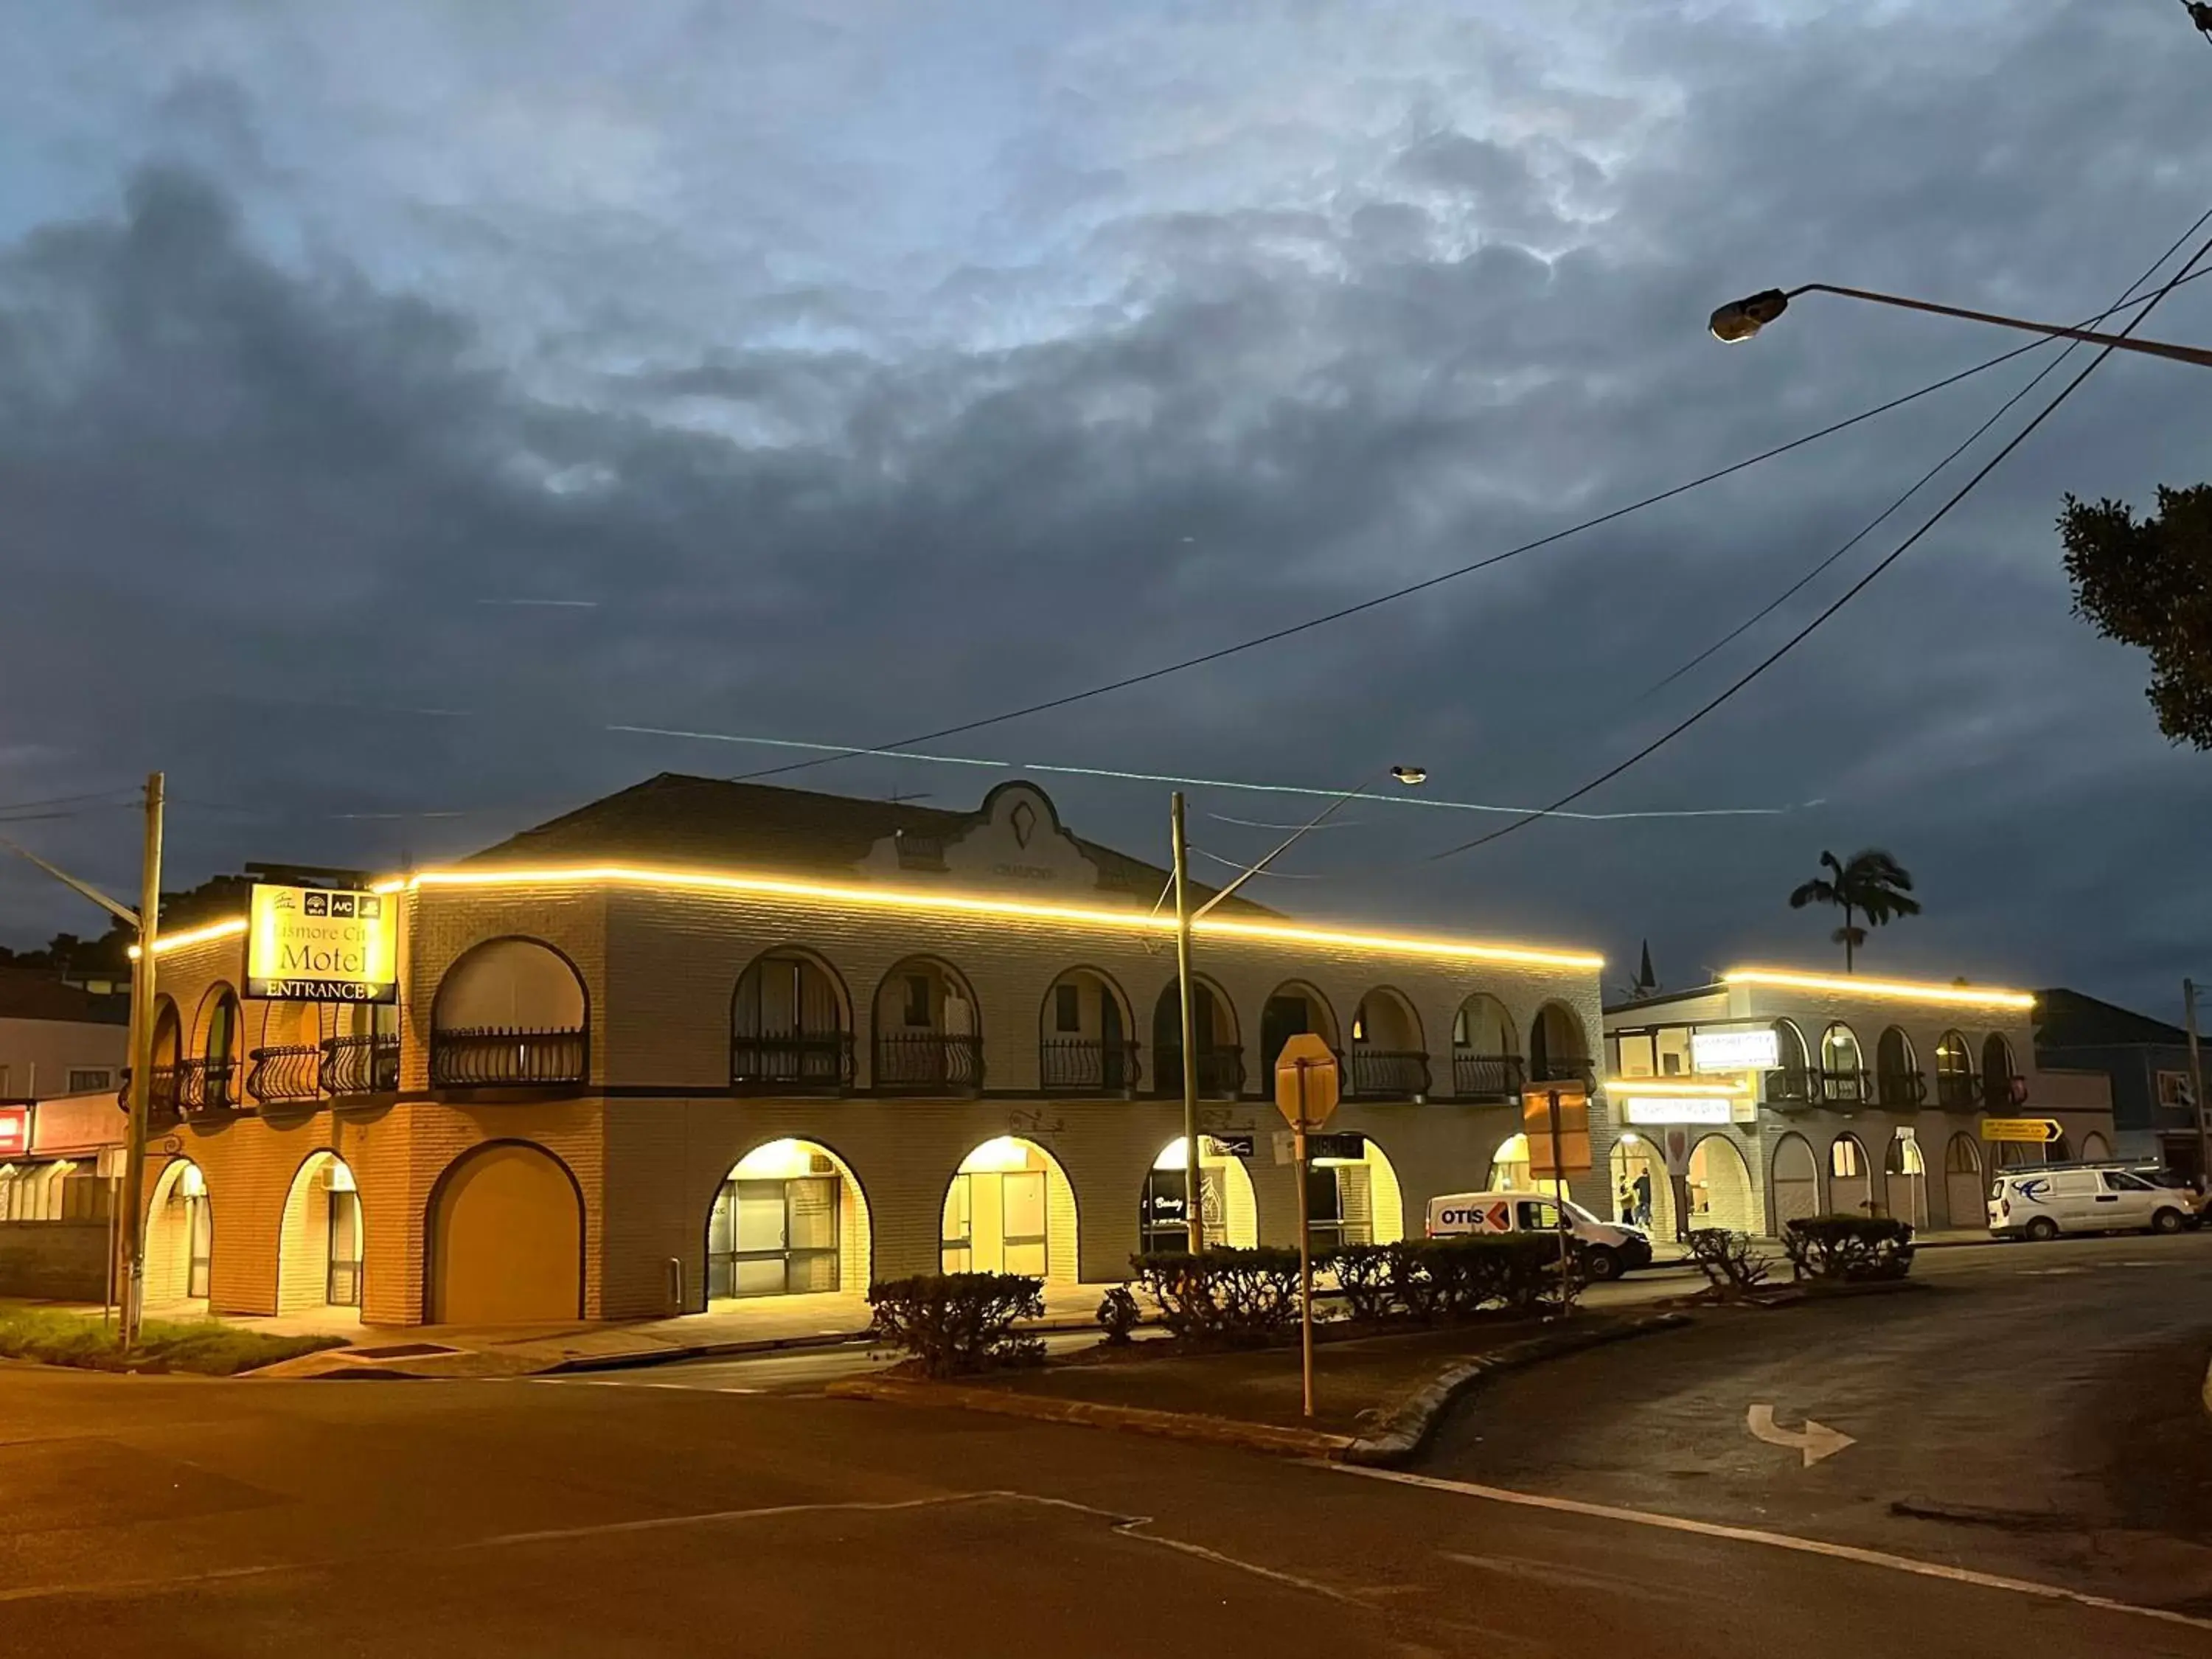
(1815, 1440)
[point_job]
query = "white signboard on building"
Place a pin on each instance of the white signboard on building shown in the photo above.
(1678, 1108)
(1746, 1048)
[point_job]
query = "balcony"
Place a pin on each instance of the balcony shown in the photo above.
(1848, 1087)
(1957, 1091)
(1220, 1072)
(206, 1085)
(162, 1099)
(1903, 1091)
(361, 1065)
(286, 1076)
(792, 1062)
(1386, 1074)
(1564, 1068)
(1087, 1066)
(1486, 1077)
(928, 1063)
(502, 1057)
(1791, 1085)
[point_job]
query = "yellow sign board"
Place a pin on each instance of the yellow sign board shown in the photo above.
(2037, 1131)
(1307, 1080)
(321, 945)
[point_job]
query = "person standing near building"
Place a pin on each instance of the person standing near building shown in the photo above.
(1643, 1197)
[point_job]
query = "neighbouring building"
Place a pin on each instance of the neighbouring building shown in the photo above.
(2145, 1061)
(704, 1040)
(57, 1038)
(1774, 1094)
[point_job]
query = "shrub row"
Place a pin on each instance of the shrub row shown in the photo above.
(1849, 1248)
(953, 1323)
(1227, 1298)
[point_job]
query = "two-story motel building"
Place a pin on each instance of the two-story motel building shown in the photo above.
(702, 1041)
(1773, 1094)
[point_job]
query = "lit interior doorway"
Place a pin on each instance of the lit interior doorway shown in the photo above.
(789, 1219)
(1354, 1200)
(319, 1253)
(179, 1239)
(1642, 1195)
(1011, 1210)
(1905, 1173)
(1719, 1187)
(1508, 1170)
(1227, 1208)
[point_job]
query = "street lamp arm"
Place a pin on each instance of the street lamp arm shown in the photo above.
(122, 913)
(2199, 356)
(1284, 846)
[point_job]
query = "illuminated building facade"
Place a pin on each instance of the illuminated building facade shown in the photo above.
(702, 1041)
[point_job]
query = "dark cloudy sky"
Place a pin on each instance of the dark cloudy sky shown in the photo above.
(857, 367)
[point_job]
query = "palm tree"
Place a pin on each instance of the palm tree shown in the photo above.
(1871, 883)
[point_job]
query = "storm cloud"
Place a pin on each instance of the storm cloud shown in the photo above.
(848, 371)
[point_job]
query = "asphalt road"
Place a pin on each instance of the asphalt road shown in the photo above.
(2033, 1410)
(191, 1517)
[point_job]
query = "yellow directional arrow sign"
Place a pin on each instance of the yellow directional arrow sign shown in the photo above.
(2039, 1131)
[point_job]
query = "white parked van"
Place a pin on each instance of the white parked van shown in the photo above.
(1607, 1249)
(2032, 1203)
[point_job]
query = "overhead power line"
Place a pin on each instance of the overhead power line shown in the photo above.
(1652, 748)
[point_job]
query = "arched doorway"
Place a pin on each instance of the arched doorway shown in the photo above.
(1791, 1082)
(1355, 1201)
(1294, 1008)
(1227, 1208)
(2095, 1149)
(179, 1239)
(319, 1252)
(1964, 1203)
(1956, 1089)
(1720, 1186)
(1558, 1051)
(1388, 1059)
(1219, 1060)
(1905, 1176)
(1641, 1194)
(791, 1027)
(1796, 1181)
(789, 1219)
(1842, 1066)
(1485, 1051)
(506, 1239)
(927, 1037)
(1509, 1172)
(1011, 1210)
(2000, 1079)
(1850, 1182)
(1898, 1081)
(1084, 1044)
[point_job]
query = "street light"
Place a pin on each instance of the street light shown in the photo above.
(1740, 319)
(1194, 1218)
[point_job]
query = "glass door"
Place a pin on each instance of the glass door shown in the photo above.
(343, 1286)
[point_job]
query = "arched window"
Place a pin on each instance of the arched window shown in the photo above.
(1964, 1202)
(1388, 1061)
(1485, 1051)
(1085, 1045)
(1559, 1052)
(1998, 1092)
(1956, 1089)
(1219, 1056)
(1294, 1008)
(508, 1013)
(1851, 1180)
(169, 1057)
(1791, 1082)
(928, 1036)
(791, 1029)
(1843, 1068)
(1897, 1070)
(208, 1081)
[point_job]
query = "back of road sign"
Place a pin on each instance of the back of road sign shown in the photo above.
(1572, 1155)
(1309, 1057)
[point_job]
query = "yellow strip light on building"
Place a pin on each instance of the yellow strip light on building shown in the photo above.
(167, 942)
(1680, 1088)
(1977, 996)
(886, 898)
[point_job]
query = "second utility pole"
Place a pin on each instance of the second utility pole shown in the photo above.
(1193, 1207)
(2196, 1087)
(133, 1231)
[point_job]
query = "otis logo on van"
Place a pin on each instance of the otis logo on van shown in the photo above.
(313, 945)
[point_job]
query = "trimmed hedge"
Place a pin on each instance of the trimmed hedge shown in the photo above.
(1731, 1264)
(1849, 1248)
(1228, 1297)
(954, 1323)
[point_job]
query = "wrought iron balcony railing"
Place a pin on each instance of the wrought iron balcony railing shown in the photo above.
(498, 1056)
(927, 1062)
(162, 1099)
(290, 1074)
(1220, 1072)
(361, 1065)
(1087, 1066)
(1792, 1085)
(1901, 1090)
(1386, 1074)
(1485, 1076)
(1563, 1068)
(206, 1085)
(1848, 1087)
(792, 1062)
(1957, 1091)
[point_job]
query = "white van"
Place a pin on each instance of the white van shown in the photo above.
(1607, 1249)
(2033, 1203)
